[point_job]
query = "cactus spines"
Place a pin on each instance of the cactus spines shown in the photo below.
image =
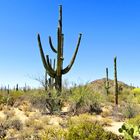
(59, 71)
(107, 82)
(115, 81)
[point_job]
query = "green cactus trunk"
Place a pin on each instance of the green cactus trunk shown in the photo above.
(115, 81)
(46, 81)
(57, 74)
(107, 82)
(17, 88)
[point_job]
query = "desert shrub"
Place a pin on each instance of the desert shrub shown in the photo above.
(8, 113)
(53, 133)
(87, 118)
(46, 101)
(3, 99)
(129, 110)
(82, 127)
(14, 123)
(110, 98)
(29, 134)
(2, 132)
(34, 124)
(126, 95)
(80, 118)
(134, 121)
(83, 130)
(136, 91)
(83, 100)
(10, 99)
(89, 131)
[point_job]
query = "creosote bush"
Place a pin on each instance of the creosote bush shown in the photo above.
(134, 121)
(83, 99)
(79, 128)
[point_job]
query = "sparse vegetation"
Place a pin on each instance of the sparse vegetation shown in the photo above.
(92, 111)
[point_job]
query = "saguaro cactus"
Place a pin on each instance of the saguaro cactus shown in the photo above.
(115, 81)
(17, 88)
(57, 74)
(107, 82)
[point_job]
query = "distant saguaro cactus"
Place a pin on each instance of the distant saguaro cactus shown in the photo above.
(57, 74)
(115, 81)
(17, 87)
(107, 86)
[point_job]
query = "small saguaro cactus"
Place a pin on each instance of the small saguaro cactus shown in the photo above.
(115, 81)
(107, 86)
(8, 89)
(17, 87)
(59, 71)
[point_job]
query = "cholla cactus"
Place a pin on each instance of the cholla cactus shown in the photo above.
(59, 71)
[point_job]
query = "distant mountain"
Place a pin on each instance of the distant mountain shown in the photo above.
(99, 85)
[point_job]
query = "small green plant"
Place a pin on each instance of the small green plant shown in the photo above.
(130, 132)
(134, 121)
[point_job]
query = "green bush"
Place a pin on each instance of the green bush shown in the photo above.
(83, 99)
(136, 91)
(130, 110)
(89, 131)
(134, 121)
(46, 101)
(81, 131)
(53, 133)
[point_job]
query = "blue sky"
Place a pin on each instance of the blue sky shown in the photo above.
(109, 27)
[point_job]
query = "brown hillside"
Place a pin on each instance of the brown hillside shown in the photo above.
(99, 85)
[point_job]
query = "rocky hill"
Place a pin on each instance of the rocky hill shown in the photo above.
(99, 85)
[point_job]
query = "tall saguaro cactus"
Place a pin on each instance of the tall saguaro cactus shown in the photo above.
(107, 82)
(115, 81)
(57, 74)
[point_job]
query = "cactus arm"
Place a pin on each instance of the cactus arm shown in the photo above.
(64, 71)
(51, 45)
(50, 65)
(46, 66)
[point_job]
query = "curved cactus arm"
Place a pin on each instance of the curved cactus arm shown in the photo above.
(49, 65)
(51, 45)
(46, 66)
(64, 71)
